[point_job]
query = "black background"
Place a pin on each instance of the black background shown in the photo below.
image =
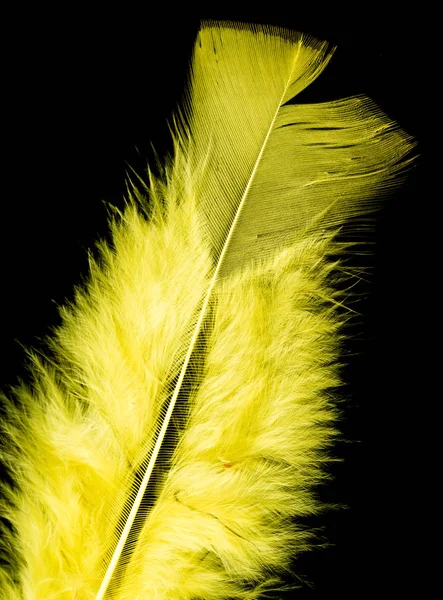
(86, 93)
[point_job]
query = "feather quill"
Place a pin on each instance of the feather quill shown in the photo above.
(169, 446)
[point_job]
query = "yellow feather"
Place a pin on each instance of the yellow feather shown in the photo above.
(172, 444)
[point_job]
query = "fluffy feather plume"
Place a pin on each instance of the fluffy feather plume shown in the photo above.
(167, 448)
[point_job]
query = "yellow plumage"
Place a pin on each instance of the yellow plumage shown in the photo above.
(168, 447)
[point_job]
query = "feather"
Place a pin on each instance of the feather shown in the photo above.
(172, 442)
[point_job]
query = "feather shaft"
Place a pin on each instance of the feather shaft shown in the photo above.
(166, 419)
